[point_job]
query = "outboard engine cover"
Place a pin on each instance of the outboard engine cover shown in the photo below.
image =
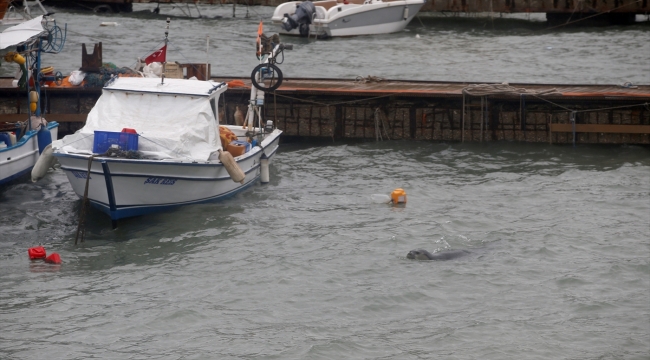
(301, 18)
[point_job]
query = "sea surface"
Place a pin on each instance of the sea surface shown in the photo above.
(313, 265)
(516, 48)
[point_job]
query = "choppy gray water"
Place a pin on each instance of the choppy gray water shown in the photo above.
(309, 266)
(447, 49)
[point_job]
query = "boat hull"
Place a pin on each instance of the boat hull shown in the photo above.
(124, 188)
(19, 159)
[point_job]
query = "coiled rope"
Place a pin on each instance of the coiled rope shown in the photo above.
(504, 89)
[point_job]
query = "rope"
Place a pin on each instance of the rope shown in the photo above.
(573, 126)
(504, 89)
(377, 132)
(600, 109)
(628, 85)
(613, 108)
(81, 226)
(89, 135)
(370, 78)
(550, 102)
(462, 134)
(589, 17)
(378, 118)
(172, 150)
(334, 104)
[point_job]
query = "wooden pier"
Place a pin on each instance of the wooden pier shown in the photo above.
(379, 109)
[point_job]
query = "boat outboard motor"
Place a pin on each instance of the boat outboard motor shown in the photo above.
(300, 19)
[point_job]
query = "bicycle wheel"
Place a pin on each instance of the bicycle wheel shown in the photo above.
(266, 77)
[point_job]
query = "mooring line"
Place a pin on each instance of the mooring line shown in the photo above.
(334, 104)
(81, 226)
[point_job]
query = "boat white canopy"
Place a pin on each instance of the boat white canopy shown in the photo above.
(176, 119)
(169, 86)
(21, 33)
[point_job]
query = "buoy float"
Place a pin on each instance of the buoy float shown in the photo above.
(264, 171)
(398, 196)
(235, 172)
(36, 252)
(236, 83)
(54, 258)
(33, 101)
(45, 161)
(15, 57)
(44, 138)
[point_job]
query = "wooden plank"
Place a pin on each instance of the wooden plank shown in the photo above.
(596, 128)
(62, 118)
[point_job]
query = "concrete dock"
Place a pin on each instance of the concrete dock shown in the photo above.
(381, 109)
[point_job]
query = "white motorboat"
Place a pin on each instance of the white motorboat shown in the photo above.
(329, 18)
(22, 142)
(178, 145)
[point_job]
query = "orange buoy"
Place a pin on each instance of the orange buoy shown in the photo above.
(54, 258)
(398, 196)
(236, 83)
(36, 252)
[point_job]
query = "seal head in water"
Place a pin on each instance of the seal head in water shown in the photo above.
(421, 254)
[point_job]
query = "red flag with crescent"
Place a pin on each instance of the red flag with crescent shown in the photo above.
(159, 55)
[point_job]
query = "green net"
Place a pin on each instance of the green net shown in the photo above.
(106, 72)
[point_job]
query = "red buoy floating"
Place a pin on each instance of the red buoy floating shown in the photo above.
(54, 258)
(36, 252)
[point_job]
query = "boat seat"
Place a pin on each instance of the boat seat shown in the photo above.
(326, 4)
(357, 2)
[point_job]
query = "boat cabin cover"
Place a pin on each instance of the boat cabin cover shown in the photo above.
(174, 119)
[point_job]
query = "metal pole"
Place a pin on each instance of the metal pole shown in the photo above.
(162, 76)
(207, 58)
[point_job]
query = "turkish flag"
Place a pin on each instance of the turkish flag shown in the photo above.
(159, 55)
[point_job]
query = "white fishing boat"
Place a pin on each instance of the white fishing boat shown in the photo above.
(153, 144)
(22, 142)
(329, 18)
(173, 158)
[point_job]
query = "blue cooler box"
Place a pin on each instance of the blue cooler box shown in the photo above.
(105, 139)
